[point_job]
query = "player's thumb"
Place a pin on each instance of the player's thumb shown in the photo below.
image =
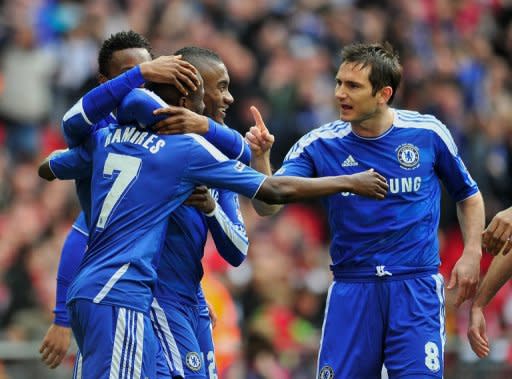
(257, 117)
(453, 280)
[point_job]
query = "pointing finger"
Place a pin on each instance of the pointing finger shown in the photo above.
(257, 118)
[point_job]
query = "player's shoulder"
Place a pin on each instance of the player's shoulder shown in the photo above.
(413, 119)
(426, 123)
(332, 131)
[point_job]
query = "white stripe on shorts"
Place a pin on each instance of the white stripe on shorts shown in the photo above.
(323, 327)
(118, 344)
(166, 338)
(139, 347)
(440, 295)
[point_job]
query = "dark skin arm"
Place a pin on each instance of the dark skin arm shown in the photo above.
(287, 189)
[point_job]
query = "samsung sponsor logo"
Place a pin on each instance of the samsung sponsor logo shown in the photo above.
(400, 185)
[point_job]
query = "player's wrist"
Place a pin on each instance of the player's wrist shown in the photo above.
(146, 70)
(212, 212)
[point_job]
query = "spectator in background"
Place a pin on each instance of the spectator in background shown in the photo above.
(26, 100)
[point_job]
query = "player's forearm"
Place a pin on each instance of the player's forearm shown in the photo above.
(45, 171)
(78, 123)
(71, 256)
(471, 217)
(262, 164)
(230, 239)
(498, 274)
(287, 189)
(228, 141)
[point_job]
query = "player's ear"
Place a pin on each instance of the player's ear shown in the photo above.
(183, 102)
(385, 94)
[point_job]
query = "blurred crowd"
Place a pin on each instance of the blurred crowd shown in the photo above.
(282, 56)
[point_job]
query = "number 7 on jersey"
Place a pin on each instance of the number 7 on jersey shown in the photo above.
(128, 170)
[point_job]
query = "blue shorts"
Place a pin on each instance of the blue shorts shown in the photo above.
(185, 334)
(114, 342)
(390, 321)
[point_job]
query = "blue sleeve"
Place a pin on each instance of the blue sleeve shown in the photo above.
(207, 165)
(138, 106)
(75, 163)
(449, 166)
(300, 160)
(80, 121)
(71, 256)
(229, 141)
(227, 227)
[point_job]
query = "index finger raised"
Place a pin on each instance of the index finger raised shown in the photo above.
(257, 117)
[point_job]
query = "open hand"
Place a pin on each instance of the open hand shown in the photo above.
(55, 345)
(477, 332)
(465, 277)
(497, 237)
(173, 70)
(180, 121)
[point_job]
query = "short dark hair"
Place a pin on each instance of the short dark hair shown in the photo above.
(198, 56)
(167, 92)
(120, 41)
(385, 68)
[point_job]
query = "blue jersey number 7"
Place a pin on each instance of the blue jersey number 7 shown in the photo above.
(128, 169)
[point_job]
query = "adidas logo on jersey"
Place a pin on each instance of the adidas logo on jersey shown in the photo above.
(349, 162)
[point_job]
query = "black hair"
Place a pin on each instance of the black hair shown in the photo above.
(168, 92)
(198, 56)
(385, 68)
(120, 41)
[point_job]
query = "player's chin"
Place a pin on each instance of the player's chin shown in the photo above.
(345, 117)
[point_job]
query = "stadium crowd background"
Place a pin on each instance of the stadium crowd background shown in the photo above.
(282, 56)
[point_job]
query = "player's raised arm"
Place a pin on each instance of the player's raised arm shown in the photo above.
(80, 121)
(260, 141)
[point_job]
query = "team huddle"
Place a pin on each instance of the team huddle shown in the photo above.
(156, 168)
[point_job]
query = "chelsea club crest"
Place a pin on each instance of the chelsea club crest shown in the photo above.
(326, 373)
(408, 156)
(193, 361)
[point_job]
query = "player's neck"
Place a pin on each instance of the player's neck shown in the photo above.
(376, 125)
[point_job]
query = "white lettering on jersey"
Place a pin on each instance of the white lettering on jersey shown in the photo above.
(400, 185)
(404, 185)
(147, 140)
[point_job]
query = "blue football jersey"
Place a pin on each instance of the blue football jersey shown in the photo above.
(401, 230)
(138, 179)
(180, 269)
(179, 266)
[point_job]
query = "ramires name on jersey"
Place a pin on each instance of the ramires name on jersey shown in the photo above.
(400, 185)
(147, 140)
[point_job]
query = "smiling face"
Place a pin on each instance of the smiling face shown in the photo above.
(217, 98)
(354, 93)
